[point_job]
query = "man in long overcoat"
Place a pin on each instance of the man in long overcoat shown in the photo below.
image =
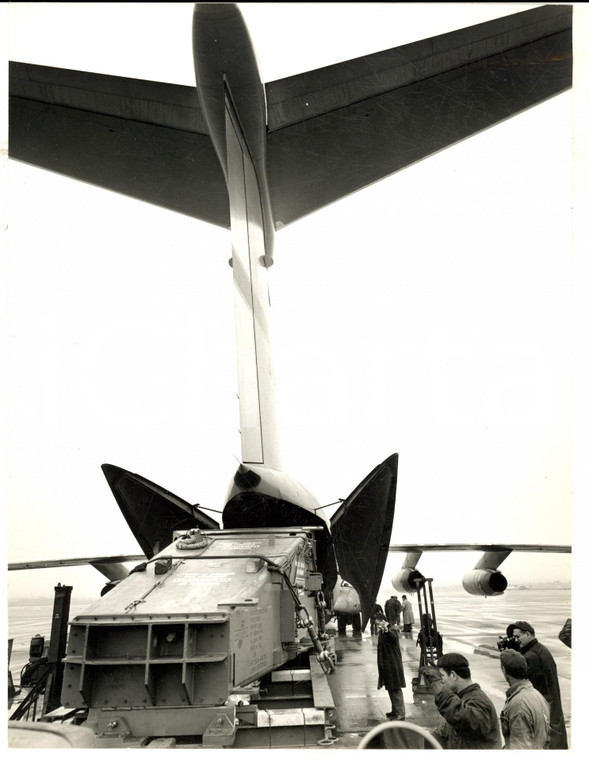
(543, 674)
(392, 610)
(407, 611)
(390, 667)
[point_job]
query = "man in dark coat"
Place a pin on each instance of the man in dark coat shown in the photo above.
(543, 674)
(392, 610)
(470, 719)
(376, 612)
(390, 667)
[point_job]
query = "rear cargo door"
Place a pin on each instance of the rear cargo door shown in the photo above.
(361, 530)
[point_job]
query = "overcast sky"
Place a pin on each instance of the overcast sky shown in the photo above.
(430, 315)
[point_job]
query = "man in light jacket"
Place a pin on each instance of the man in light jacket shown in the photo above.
(525, 718)
(407, 611)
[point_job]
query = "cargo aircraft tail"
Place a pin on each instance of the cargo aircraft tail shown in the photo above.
(233, 103)
(212, 609)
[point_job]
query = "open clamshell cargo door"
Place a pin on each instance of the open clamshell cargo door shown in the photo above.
(361, 529)
(152, 512)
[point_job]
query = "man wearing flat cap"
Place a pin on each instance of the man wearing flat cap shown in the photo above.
(525, 720)
(470, 719)
(542, 672)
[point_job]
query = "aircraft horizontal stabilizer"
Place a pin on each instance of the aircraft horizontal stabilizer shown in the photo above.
(390, 109)
(147, 140)
(384, 111)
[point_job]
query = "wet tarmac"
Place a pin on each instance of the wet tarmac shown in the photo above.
(469, 625)
(361, 706)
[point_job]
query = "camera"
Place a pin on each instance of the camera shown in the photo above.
(507, 642)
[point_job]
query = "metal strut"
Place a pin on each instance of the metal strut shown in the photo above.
(429, 639)
(322, 655)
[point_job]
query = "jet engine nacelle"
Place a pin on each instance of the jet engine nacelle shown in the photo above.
(406, 579)
(484, 582)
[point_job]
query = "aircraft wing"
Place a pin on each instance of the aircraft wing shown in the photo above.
(112, 567)
(546, 548)
(43, 564)
(485, 579)
(361, 530)
(330, 132)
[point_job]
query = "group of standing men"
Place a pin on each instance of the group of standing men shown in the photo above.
(532, 717)
(393, 611)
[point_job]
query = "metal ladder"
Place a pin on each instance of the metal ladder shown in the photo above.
(429, 638)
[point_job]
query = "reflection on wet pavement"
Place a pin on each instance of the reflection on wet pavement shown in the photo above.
(360, 704)
(469, 626)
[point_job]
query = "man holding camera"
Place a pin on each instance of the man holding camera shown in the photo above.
(390, 666)
(470, 719)
(508, 641)
(542, 672)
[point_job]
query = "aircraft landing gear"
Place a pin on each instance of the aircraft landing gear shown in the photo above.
(344, 620)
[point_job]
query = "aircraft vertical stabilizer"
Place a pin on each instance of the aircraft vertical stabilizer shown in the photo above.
(257, 403)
